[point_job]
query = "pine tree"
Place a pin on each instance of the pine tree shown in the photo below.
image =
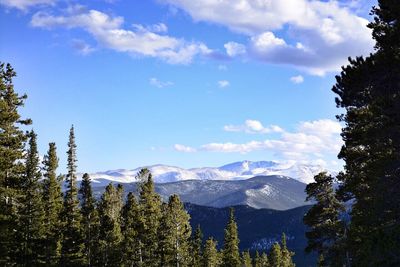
(264, 260)
(72, 246)
(177, 233)
(31, 230)
(130, 245)
(210, 254)
(12, 143)
(90, 220)
(110, 236)
(231, 256)
(286, 254)
(196, 244)
(323, 219)
(369, 92)
(52, 198)
(246, 259)
(149, 220)
(275, 256)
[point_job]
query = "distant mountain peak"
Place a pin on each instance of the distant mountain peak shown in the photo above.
(233, 171)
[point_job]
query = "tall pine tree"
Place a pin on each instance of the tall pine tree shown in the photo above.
(130, 244)
(368, 90)
(177, 233)
(275, 255)
(149, 220)
(12, 142)
(72, 246)
(286, 254)
(90, 220)
(210, 254)
(52, 201)
(230, 253)
(246, 259)
(326, 229)
(31, 229)
(196, 244)
(110, 239)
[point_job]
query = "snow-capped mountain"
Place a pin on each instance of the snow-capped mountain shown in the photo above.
(233, 171)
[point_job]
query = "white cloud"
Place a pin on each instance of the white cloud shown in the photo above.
(109, 33)
(223, 83)
(234, 49)
(158, 28)
(324, 33)
(160, 84)
(297, 79)
(182, 148)
(253, 126)
(25, 4)
(82, 47)
(311, 140)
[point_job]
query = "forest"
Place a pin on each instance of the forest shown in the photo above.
(355, 220)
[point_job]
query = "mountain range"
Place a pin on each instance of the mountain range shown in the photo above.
(233, 171)
(271, 192)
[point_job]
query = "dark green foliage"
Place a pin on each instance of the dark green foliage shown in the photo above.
(130, 244)
(230, 253)
(149, 220)
(176, 233)
(261, 260)
(12, 142)
(90, 220)
(326, 228)
(31, 230)
(275, 256)
(246, 259)
(110, 236)
(196, 243)
(286, 254)
(368, 89)
(210, 254)
(72, 246)
(53, 203)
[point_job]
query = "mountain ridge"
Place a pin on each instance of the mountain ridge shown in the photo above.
(240, 170)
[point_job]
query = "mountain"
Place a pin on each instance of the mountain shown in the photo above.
(272, 192)
(233, 171)
(258, 228)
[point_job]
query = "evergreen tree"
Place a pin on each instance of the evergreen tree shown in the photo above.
(90, 220)
(246, 259)
(275, 256)
(323, 220)
(264, 260)
(149, 220)
(196, 243)
(210, 253)
(369, 92)
(130, 246)
(177, 233)
(110, 236)
(231, 256)
(31, 213)
(72, 246)
(52, 199)
(286, 254)
(12, 143)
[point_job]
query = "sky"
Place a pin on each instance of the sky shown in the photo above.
(181, 82)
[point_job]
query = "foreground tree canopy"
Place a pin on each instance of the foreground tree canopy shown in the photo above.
(368, 89)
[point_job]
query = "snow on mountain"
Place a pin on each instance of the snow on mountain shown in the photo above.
(233, 171)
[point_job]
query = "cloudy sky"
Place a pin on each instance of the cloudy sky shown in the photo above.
(182, 82)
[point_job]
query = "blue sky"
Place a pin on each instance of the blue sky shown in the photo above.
(180, 82)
